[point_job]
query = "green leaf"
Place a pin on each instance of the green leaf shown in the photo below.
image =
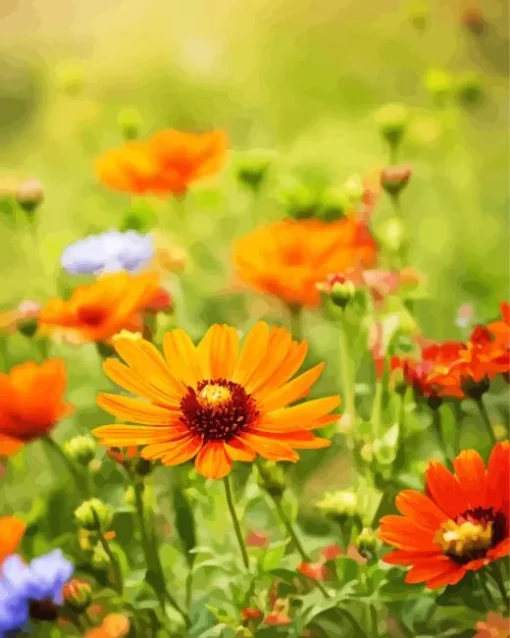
(274, 555)
(185, 524)
(466, 593)
(286, 575)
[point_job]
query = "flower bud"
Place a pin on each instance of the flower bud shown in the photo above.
(100, 559)
(395, 178)
(298, 199)
(439, 84)
(334, 203)
(139, 217)
(271, 478)
(392, 234)
(398, 381)
(469, 89)
(339, 288)
(77, 595)
(30, 195)
(130, 123)
(93, 515)
(474, 20)
(393, 120)
(366, 543)
(340, 506)
(70, 76)
(253, 168)
(81, 449)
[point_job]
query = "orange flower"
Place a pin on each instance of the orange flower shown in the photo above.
(32, 398)
(280, 613)
(166, 164)
(249, 613)
(213, 402)
(459, 525)
(288, 258)
(113, 626)
(495, 626)
(100, 310)
(501, 329)
(11, 533)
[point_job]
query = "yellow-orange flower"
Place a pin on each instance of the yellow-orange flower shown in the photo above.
(32, 400)
(98, 311)
(168, 163)
(288, 258)
(113, 626)
(214, 402)
(11, 533)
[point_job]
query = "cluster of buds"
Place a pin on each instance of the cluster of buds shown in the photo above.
(93, 515)
(253, 168)
(81, 449)
(395, 178)
(271, 478)
(338, 288)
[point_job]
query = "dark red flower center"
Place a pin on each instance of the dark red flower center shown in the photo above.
(92, 316)
(218, 409)
(43, 610)
(472, 534)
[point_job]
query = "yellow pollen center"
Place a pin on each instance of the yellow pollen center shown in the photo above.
(214, 396)
(465, 538)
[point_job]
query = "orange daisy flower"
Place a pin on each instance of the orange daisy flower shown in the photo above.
(461, 524)
(98, 311)
(32, 398)
(288, 258)
(166, 164)
(12, 530)
(501, 329)
(213, 402)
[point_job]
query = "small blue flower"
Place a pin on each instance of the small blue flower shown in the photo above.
(43, 579)
(108, 252)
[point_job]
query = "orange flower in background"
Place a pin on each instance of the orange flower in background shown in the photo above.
(280, 613)
(460, 524)
(288, 258)
(100, 310)
(32, 402)
(214, 402)
(113, 626)
(501, 329)
(495, 626)
(12, 530)
(167, 164)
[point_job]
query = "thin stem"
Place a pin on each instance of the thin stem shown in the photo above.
(438, 427)
(68, 463)
(377, 409)
(296, 321)
(486, 419)
(291, 531)
(108, 551)
(457, 410)
(235, 521)
(386, 500)
(347, 374)
(374, 620)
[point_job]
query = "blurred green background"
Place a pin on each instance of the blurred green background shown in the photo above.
(301, 77)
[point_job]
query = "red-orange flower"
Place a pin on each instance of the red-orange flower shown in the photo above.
(251, 614)
(288, 258)
(168, 163)
(495, 626)
(12, 530)
(32, 399)
(501, 329)
(280, 614)
(98, 311)
(214, 402)
(113, 626)
(461, 524)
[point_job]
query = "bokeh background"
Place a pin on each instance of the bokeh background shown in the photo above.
(301, 77)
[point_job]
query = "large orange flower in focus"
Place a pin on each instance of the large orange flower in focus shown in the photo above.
(214, 402)
(12, 530)
(98, 311)
(287, 258)
(168, 163)
(32, 402)
(459, 525)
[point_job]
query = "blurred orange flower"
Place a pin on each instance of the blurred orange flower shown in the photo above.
(495, 626)
(501, 329)
(113, 626)
(32, 400)
(288, 258)
(460, 524)
(12, 530)
(213, 402)
(100, 310)
(280, 613)
(167, 164)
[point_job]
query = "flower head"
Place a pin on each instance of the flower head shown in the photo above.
(213, 402)
(279, 614)
(460, 524)
(113, 626)
(168, 163)
(109, 252)
(288, 258)
(32, 402)
(34, 590)
(495, 626)
(77, 594)
(97, 311)
(12, 530)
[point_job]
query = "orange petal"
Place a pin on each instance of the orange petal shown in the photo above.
(300, 440)
(445, 490)
(451, 576)
(125, 435)
(429, 569)
(498, 477)
(181, 356)
(158, 449)
(12, 530)
(404, 557)
(237, 451)
(277, 354)
(254, 349)
(292, 391)
(299, 416)
(135, 410)
(405, 534)
(268, 449)
(9, 445)
(500, 550)
(183, 450)
(213, 461)
(218, 352)
(420, 509)
(470, 472)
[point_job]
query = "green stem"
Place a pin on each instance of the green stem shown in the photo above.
(347, 374)
(458, 426)
(296, 321)
(108, 551)
(235, 521)
(68, 463)
(438, 427)
(374, 621)
(486, 419)
(358, 631)
(496, 575)
(377, 409)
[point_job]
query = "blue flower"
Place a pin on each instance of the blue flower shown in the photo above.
(43, 579)
(108, 252)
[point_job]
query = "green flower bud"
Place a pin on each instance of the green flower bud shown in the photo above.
(130, 122)
(139, 217)
(395, 178)
(393, 120)
(81, 449)
(469, 89)
(334, 203)
(77, 595)
(100, 559)
(338, 288)
(271, 478)
(340, 506)
(253, 168)
(93, 515)
(70, 76)
(366, 544)
(30, 195)
(439, 84)
(298, 199)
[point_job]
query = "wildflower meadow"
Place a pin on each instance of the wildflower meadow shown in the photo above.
(254, 319)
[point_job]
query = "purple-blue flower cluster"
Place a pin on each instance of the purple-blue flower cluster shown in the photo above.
(21, 584)
(109, 252)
